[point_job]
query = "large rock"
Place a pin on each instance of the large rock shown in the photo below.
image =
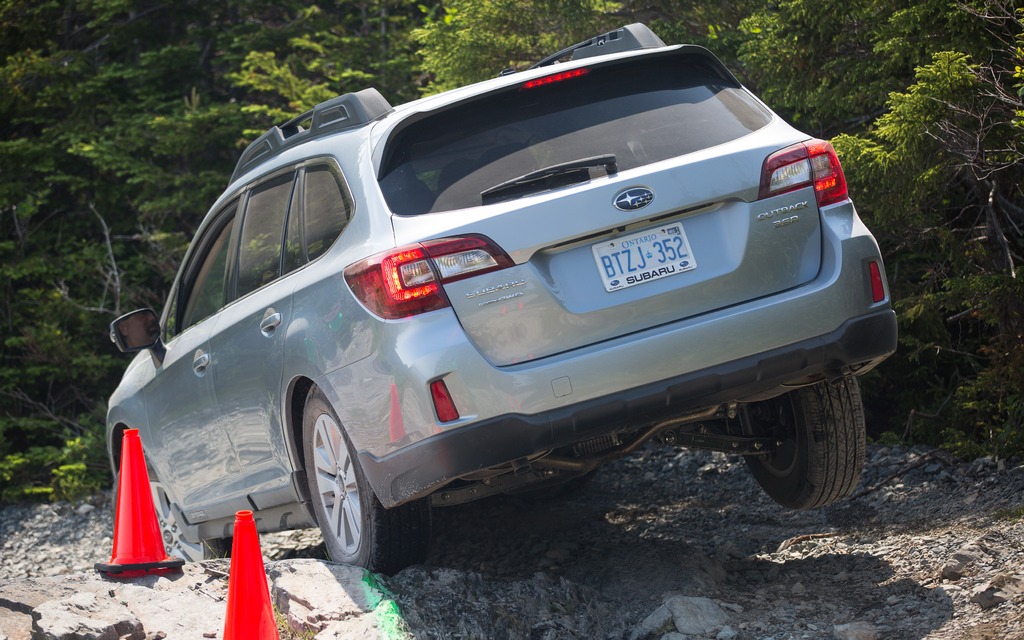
(188, 605)
(332, 600)
(696, 616)
(655, 624)
(859, 630)
(998, 590)
(85, 616)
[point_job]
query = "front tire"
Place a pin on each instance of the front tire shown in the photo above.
(356, 527)
(820, 434)
(175, 543)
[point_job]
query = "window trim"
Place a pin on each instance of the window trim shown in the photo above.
(239, 198)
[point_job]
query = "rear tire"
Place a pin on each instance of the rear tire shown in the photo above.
(821, 439)
(356, 527)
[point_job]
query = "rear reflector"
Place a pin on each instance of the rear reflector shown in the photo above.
(804, 164)
(408, 280)
(444, 406)
(877, 286)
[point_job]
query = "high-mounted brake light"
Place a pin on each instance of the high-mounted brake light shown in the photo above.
(555, 77)
(408, 280)
(803, 164)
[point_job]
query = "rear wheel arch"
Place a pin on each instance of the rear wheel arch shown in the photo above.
(296, 407)
(357, 529)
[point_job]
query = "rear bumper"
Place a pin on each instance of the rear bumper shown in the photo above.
(418, 469)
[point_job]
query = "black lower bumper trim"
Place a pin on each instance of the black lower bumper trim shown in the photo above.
(417, 470)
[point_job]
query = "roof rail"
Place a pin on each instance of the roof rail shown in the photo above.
(346, 111)
(628, 38)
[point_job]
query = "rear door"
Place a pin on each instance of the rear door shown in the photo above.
(672, 231)
(247, 343)
(290, 219)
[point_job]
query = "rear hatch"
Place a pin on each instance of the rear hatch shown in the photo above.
(647, 213)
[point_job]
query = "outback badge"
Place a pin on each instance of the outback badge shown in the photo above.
(633, 198)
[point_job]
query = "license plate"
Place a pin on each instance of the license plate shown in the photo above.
(643, 257)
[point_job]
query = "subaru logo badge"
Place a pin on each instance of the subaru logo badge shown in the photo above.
(633, 198)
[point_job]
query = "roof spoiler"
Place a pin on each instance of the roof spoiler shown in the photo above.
(628, 38)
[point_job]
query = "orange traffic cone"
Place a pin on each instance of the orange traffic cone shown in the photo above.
(250, 616)
(138, 545)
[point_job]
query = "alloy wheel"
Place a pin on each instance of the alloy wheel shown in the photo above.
(337, 487)
(174, 543)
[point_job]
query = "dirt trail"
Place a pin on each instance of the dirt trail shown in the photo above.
(669, 542)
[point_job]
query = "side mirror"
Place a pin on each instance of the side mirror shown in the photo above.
(136, 331)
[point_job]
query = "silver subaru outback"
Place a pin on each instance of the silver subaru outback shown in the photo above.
(500, 288)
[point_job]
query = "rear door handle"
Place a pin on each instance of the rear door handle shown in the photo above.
(271, 321)
(200, 361)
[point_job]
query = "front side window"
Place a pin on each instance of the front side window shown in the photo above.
(207, 290)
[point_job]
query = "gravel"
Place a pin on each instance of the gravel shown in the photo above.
(671, 540)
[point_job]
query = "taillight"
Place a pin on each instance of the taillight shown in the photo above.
(406, 281)
(803, 164)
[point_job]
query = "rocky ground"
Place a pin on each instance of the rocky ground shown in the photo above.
(665, 545)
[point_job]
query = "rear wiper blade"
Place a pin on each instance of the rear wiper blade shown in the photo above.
(558, 175)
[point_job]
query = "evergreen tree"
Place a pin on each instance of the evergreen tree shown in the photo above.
(120, 123)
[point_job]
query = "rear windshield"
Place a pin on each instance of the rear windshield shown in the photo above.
(641, 110)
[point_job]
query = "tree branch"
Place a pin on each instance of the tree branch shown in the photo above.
(993, 217)
(113, 273)
(44, 409)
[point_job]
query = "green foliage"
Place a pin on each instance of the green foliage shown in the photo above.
(121, 120)
(888, 439)
(1013, 514)
(898, 153)
(320, 53)
(713, 25)
(120, 123)
(830, 66)
(67, 472)
(938, 178)
(989, 406)
(469, 41)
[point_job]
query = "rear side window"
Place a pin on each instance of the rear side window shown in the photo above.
(326, 208)
(642, 110)
(259, 255)
(321, 209)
